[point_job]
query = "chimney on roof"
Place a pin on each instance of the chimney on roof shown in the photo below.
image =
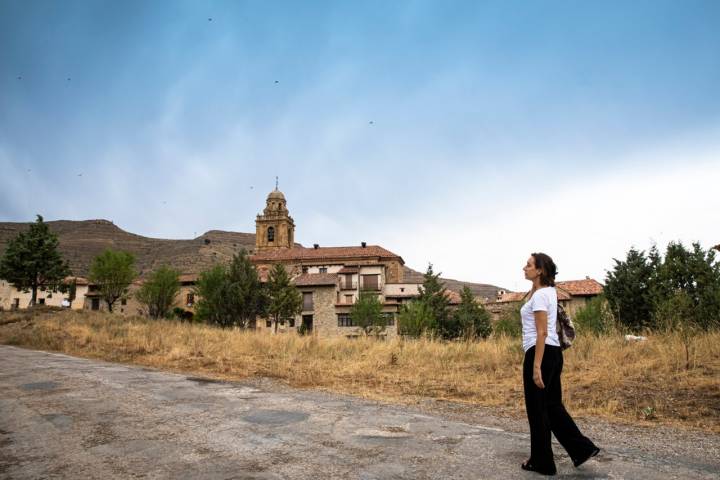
(363, 244)
(316, 246)
(587, 277)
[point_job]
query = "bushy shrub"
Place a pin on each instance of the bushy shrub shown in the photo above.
(595, 317)
(509, 323)
(415, 319)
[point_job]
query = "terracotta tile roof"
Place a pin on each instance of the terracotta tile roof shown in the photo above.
(453, 296)
(188, 277)
(584, 287)
(315, 279)
(323, 253)
(78, 280)
(717, 247)
(511, 297)
(348, 270)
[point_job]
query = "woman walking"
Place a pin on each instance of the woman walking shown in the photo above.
(541, 374)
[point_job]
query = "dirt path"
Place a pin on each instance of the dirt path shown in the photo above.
(65, 417)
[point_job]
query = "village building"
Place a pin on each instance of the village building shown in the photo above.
(572, 296)
(329, 278)
(12, 298)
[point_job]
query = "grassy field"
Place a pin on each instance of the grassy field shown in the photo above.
(646, 383)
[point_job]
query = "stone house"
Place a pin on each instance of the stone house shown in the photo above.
(11, 298)
(572, 295)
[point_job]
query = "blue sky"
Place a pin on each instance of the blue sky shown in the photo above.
(467, 134)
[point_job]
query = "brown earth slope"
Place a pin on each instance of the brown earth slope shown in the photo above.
(81, 241)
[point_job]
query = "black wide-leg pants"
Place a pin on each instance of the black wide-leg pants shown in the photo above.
(546, 412)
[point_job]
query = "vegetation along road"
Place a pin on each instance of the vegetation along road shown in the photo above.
(66, 417)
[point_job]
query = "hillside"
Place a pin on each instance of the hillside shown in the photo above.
(81, 241)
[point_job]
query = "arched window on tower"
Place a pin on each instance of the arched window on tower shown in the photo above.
(271, 234)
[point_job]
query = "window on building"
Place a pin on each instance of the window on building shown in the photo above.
(348, 299)
(307, 322)
(307, 301)
(291, 322)
(15, 303)
(371, 282)
(123, 301)
(190, 299)
(344, 320)
(389, 318)
(41, 301)
(348, 280)
(323, 269)
(271, 234)
(268, 323)
(304, 269)
(49, 295)
(95, 304)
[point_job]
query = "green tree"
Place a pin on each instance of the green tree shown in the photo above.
(434, 295)
(284, 300)
(159, 290)
(113, 271)
(32, 261)
(629, 291)
(470, 320)
(249, 299)
(231, 296)
(415, 319)
(213, 290)
(366, 314)
(694, 273)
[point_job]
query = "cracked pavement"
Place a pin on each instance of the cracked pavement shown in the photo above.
(66, 417)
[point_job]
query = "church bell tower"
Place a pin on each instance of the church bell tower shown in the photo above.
(275, 228)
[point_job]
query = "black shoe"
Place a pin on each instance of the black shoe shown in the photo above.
(542, 471)
(580, 461)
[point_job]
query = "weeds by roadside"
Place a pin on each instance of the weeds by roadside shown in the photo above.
(652, 382)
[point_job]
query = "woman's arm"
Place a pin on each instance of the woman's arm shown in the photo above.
(541, 323)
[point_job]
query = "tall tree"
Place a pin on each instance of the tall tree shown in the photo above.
(32, 260)
(366, 313)
(212, 289)
(434, 295)
(628, 290)
(470, 319)
(693, 277)
(284, 300)
(249, 299)
(159, 290)
(113, 272)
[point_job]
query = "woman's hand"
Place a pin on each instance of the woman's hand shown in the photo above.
(537, 377)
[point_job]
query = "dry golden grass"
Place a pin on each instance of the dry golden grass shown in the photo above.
(645, 383)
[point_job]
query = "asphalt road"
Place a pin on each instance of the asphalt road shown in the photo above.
(66, 417)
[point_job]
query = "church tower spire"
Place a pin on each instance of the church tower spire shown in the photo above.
(275, 228)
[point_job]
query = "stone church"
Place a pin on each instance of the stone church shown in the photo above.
(329, 278)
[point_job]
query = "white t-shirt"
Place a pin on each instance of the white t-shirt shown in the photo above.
(545, 300)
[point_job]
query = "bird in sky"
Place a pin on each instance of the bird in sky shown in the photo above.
(19, 77)
(277, 81)
(79, 174)
(371, 122)
(209, 19)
